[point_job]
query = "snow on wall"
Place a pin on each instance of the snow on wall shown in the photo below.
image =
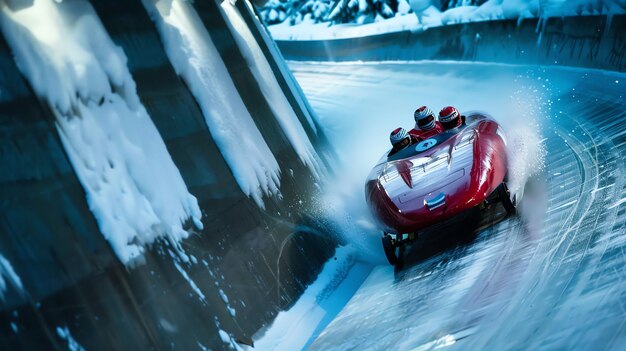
(133, 188)
(192, 284)
(520, 9)
(228, 340)
(286, 72)
(196, 59)
(8, 273)
(270, 88)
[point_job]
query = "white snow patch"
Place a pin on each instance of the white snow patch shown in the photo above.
(226, 339)
(192, 284)
(73, 345)
(459, 14)
(224, 336)
(493, 10)
(231, 310)
(308, 30)
(223, 296)
(196, 59)
(133, 187)
(270, 88)
(7, 272)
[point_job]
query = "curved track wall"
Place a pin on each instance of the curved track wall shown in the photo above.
(589, 41)
(251, 263)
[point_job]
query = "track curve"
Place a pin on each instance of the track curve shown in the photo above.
(553, 277)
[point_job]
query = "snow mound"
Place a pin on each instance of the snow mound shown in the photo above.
(196, 59)
(133, 188)
(428, 15)
(270, 88)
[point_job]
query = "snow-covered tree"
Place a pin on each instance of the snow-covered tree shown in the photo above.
(366, 11)
(332, 11)
(362, 11)
(295, 11)
(449, 4)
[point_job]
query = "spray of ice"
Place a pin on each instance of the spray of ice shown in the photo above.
(526, 150)
(391, 92)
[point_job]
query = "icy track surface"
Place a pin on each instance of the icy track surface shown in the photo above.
(549, 278)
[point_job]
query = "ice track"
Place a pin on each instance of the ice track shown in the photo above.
(552, 277)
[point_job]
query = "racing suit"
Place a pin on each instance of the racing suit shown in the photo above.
(425, 134)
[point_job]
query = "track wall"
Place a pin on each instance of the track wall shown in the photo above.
(589, 41)
(260, 259)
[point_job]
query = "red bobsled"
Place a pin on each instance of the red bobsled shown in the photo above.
(437, 179)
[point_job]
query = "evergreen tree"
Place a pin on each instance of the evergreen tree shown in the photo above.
(333, 11)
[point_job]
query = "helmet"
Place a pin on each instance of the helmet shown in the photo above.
(400, 138)
(424, 118)
(450, 117)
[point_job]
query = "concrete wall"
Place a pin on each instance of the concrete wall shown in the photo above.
(262, 260)
(590, 41)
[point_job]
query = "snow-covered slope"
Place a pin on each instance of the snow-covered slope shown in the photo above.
(132, 185)
(270, 88)
(426, 14)
(196, 59)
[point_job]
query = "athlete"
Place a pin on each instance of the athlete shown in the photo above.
(426, 125)
(400, 139)
(450, 118)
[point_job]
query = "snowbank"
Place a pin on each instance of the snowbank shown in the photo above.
(309, 30)
(196, 59)
(7, 272)
(492, 10)
(425, 16)
(270, 88)
(133, 188)
(521, 9)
